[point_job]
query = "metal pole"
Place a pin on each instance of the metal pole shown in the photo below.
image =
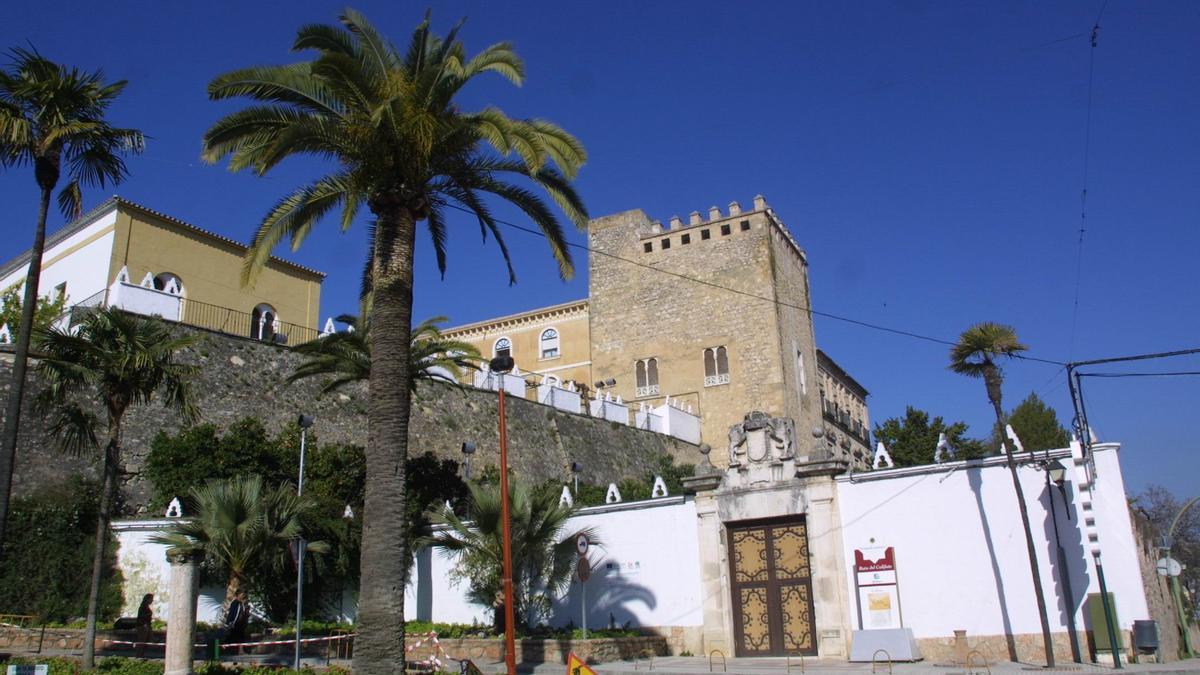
(1183, 622)
(510, 649)
(1108, 617)
(583, 620)
(300, 553)
(1064, 574)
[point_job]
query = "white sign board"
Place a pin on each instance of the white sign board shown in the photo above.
(40, 669)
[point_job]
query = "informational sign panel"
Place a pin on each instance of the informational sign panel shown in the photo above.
(877, 588)
(40, 669)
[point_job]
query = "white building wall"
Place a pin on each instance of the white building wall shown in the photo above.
(646, 571)
(85, 271)
(144, 566)
(960, 548)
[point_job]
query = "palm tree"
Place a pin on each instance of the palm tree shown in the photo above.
(346, 355)
(240, 525)
(975, 355)
(118, 360)
(406, 150)
(543, 554)
(50, 115)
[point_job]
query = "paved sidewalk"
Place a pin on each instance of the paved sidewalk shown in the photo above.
(680, 665)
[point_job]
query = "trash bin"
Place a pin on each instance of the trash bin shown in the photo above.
(1145, 637)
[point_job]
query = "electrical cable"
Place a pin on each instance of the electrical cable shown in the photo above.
(1177, 373)
(680, 275)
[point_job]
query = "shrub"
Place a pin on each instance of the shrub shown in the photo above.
(46, 569)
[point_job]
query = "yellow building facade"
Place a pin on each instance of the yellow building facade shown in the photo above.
(158, 264)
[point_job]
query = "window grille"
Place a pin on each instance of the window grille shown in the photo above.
(646, 377)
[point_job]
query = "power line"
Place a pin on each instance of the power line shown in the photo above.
(1087, 148)
(1178, 373)
(1135, 357)
(680, 275)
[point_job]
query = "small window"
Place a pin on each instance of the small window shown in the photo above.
(705, 234)
(503, 347)
(716, 366)
(646, 376)
(648, 247)
(263, 321)
(665, 244)
(725, 230)
(685, 239)
(745, 225)
(549, 343)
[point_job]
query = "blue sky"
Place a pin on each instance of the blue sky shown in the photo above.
(928, 155)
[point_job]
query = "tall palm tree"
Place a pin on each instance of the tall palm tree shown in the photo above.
(239, 525)
(975, 355)
(543, 552)
(346, 355)
(406, 150)
(117, 360)
(51, 115)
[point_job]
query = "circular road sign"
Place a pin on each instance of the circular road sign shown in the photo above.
(581, 544)
(584, 569)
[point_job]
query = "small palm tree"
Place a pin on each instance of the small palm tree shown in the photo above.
(240, 525)
(346, 355)
(543, 553)
(51, 116)
(122, 360)
(975, 355)
(406, 149)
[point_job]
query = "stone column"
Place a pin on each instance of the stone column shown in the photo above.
(181, 614)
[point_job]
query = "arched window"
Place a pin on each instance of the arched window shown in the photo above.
(168, 283)
(503, 347)
(716, 366)
(549, 343)
(262, 322)
(645, 373)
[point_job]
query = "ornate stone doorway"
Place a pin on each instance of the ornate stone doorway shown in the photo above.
(771, 582)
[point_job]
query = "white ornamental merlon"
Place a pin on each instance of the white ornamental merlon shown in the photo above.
(943, 450)
(329, 328)
(148, 280)
(619, 402)
(5, 334)
(122, 276)
(565, 498)
(882, 457)
(659, 489)
(613, 495)
(172, 287)
(174, 509)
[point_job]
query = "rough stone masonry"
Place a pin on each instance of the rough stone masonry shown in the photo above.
(242, 378)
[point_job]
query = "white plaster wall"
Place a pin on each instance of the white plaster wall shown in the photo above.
(146, 301)
(646, 572)
(85, 271)
(960, 549)
(145, 569)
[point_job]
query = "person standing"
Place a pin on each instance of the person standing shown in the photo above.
(145, 620)
(236, 619)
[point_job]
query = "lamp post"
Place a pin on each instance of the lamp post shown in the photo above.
(576, 467)
(468, 449)
(1056, 473)
(503, 365)
(304, 421)
(348, 518)
(1169, 541)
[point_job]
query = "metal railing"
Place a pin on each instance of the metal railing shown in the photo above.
(215, 318)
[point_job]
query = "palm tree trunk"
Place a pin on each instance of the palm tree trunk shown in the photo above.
(379, 648)
(1033, 563)
(12, 416)
(112, 456)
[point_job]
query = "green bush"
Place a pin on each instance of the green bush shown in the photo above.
(47, 565)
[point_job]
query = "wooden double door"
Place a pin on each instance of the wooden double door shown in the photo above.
(771, 581)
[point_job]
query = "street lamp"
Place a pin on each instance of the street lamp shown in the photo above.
(503, 365)
(576, 467)
(304, 421)
(468, 449)
(606, 383)
(348, 518)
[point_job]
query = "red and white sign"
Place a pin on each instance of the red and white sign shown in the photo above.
(877, 589)
(875, 572)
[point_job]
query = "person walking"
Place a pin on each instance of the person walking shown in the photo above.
(236, 619)
(145, 621)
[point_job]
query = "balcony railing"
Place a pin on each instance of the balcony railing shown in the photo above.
(714, 380)
(651, 390)
(204, 315)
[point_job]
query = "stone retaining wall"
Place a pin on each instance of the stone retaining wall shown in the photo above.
(530, 650)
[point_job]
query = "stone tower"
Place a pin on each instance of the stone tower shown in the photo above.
(723, 352)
